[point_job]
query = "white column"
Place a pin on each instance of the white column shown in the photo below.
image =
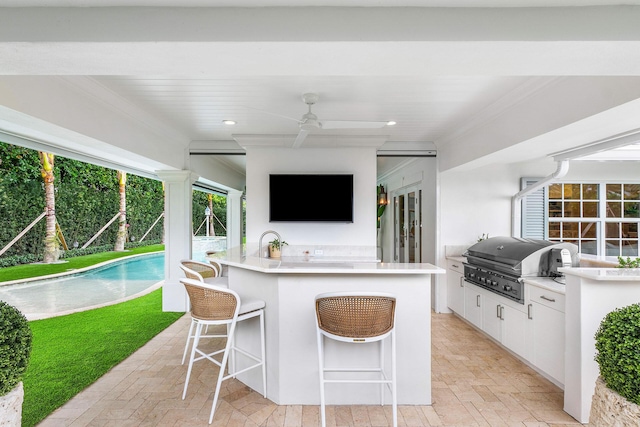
(234, 218)
(177, 235)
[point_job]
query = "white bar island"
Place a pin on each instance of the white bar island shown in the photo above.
(289, 287)
(591, 293)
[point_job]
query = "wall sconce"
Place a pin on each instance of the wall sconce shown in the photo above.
(382, 195)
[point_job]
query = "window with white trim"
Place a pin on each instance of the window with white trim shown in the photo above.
(601, 218)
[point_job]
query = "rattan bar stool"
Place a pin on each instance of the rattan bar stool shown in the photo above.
(204, 273)
(207, 273)
(357, 317)
(214, 305)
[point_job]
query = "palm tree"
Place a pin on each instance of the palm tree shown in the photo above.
(212, 231)
(122, 224)
(51, 252)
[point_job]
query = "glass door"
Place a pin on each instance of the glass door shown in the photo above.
(407, 226)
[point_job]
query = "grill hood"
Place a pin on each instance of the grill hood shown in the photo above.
(513, 255)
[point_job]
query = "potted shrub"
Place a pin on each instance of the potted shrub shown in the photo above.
(617, 396)
(15, 349)
(275, 247)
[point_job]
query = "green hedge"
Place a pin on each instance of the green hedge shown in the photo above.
(618, 351)
(86, 199)
(199, 204)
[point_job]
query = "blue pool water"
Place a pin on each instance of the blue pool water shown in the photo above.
(113, 282)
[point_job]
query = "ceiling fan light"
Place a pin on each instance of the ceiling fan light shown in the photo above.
(310, 124)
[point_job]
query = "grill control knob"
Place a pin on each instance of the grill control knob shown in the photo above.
(494, 283)
(507, 288)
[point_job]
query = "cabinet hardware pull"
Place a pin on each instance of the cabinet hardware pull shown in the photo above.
(454, 266)
(502, 312)
(529, 307)
(547, 298)
(462, 282)
(477, 300)
(498, 311)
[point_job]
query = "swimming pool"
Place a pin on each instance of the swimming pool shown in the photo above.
(117, 281)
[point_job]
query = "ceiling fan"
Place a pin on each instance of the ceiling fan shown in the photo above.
(310, 121)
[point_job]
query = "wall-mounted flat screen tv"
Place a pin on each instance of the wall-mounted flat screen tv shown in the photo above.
(310, 198)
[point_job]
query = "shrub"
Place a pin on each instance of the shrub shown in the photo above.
(617, 344)
(628, 263)
(15, 347)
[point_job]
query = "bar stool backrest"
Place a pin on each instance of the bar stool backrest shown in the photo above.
(216, 265)
(356, 316)
(209, 302)
(197, 270)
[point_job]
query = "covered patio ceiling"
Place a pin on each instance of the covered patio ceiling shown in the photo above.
(142, 83)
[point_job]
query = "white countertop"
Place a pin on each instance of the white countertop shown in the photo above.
(605, 274)
(546, 283)
(235, 257)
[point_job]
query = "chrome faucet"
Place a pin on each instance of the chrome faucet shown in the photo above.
(260, 241)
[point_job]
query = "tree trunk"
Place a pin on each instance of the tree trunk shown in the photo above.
(122, 224)
(51, 252)
(212, 231)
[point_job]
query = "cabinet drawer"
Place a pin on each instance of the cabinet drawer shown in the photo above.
(455, 266)
(546, 297)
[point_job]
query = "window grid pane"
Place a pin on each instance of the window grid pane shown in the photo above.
(574, 216)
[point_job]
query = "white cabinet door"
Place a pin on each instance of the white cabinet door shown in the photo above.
(492, 316)
(455, 287)
(472, 304)
(514, 324)
(548, 341)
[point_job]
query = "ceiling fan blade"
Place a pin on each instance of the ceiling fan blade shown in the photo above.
(341, 124)
(300, 138)
(271, 114)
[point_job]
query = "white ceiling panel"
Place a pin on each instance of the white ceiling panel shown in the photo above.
(425, 109)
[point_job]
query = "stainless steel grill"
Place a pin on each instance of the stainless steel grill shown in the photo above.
(499, 263)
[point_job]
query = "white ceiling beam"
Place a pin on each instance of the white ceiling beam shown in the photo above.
(599, 146)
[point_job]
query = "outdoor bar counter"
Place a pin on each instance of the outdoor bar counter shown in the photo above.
(289, 287)
(591, 293)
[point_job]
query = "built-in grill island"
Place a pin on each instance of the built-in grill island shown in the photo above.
(498, 264)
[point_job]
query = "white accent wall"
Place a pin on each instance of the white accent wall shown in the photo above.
(361, 162)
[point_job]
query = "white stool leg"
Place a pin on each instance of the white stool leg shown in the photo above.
(196, 340)
(223, 365)
(321, 370)
(232, 359)
(186, 346)
(393, 379)
(263, 356)
(382, 385)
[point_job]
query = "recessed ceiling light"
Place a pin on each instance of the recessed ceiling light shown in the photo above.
(229, 122)
(391, 123)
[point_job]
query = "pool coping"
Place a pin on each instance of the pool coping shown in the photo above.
(74, 271)
(41, 316)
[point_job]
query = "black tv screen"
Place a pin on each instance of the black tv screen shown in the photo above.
(310, 198)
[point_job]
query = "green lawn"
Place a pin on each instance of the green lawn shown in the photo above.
(34, 270)
(71, 352)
